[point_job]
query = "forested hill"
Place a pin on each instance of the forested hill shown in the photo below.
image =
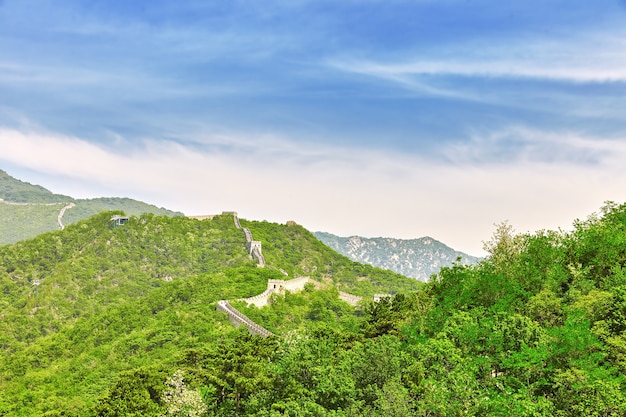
(81, 306)
(14, 190)
(123, 323)
(27, 210)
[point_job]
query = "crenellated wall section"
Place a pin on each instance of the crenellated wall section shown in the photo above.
(278, 286)
(351, 299)
(237, 319)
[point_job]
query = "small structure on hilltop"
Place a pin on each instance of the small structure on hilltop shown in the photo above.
(117, 220)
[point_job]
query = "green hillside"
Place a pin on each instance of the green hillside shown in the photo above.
(27, 210)
(123, 323)
(88, 207)
(17, 191)
(111, 300)
(18, 222)
(299, 253)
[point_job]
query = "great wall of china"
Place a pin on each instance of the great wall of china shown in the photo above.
(62, 212)
(59, 216)
(273, 286)
(237, 318)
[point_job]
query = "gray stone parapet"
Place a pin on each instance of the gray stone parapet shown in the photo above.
(279, 286)
(256, 253)
(259, 300)
(237, 319)
(253, 245)
(273, 286)
(350, 298)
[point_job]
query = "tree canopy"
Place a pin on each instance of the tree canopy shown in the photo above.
(534, 329)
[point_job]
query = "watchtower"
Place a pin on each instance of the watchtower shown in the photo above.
(117, 220)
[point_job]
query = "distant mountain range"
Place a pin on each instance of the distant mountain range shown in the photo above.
(416, 258)
(27, 210)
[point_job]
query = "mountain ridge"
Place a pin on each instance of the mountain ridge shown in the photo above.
(27, 210)
(82, 305)
(13, 190)
(417, 258)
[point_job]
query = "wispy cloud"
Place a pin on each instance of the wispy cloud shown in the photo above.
(578, 58)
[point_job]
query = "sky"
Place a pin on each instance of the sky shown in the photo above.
(389, 118)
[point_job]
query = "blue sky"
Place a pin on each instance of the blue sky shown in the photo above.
(379, 118)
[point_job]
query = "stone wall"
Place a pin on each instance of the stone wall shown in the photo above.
(256, 254)
(279, 286)
(273, 286)
(293, 285)
(260, 300)
(351, 299)
(254, 247)
(237, 319)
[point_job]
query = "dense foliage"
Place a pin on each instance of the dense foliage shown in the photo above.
(535, 329)
(88, 207)
(26, 220)
(299, 253)
(117, 307)
(304, 310)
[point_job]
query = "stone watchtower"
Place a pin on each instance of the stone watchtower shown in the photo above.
(117, 220)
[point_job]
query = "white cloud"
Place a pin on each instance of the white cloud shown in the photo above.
(345, 191)
(585, 57)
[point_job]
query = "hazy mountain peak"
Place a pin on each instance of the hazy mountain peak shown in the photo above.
(16, 191)
(27, 210)
(417, 258)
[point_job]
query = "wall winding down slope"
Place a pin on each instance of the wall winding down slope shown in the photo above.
(273, 286)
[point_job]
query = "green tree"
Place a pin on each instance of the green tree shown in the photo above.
(136, 393)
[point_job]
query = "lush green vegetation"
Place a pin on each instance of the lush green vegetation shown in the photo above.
(18, 222)
(27, 220)
(18, 191)
(305, 310)
(298, 252)
(88, 207)
(27, 210)
(113, 303)
(535, 329)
